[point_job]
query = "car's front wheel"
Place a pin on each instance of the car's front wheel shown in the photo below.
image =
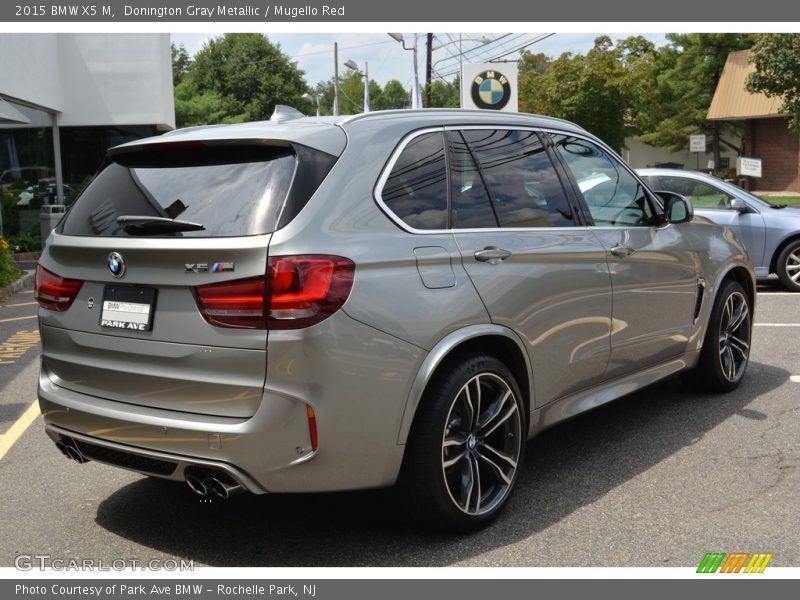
(466, 446)
(788, 266)
(726, 346)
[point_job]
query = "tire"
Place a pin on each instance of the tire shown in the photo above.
(788, 266)
(465, 447)
(726, 346)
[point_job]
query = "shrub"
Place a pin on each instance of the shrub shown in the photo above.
(8, 272)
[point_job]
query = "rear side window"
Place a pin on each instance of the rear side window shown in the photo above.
(522, 182)
(416, 189)
(472, 207)
(236, 191)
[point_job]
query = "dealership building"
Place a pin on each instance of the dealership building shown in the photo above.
(67, 97)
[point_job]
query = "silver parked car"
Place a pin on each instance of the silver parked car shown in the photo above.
(770, 232)
(397, 298)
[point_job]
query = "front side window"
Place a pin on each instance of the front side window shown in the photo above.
(613, 196)
(523, 184)
(416, 190)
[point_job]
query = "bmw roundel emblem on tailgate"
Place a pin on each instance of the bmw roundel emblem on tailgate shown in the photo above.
(116, 264)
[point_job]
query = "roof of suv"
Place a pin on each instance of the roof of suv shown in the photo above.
(327, 133)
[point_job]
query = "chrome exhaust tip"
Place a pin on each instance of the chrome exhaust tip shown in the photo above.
(73, 453)
(223, 489)
(197, 485)
(62, 447)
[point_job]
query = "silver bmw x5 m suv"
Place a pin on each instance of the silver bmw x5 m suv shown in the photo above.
(398, 298)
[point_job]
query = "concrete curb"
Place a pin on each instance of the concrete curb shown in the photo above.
(23, 282)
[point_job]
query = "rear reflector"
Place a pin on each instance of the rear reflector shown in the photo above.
(312, 427)
(54, 292)
(297, 292)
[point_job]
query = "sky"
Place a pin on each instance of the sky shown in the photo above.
(387, 60)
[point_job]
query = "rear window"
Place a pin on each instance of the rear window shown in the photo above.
(230, 192)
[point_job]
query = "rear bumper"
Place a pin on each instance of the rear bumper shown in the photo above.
(358, 394)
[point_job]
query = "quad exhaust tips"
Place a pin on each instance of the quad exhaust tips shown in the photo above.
(215, 484)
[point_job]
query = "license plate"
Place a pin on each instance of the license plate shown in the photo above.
(129, 308)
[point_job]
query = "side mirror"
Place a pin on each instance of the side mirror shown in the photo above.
(739, 205)
(677, 209)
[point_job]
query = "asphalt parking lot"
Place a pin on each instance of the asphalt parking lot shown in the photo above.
(656, 479)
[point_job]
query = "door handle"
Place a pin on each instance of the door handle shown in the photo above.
(492, 255)
(622, 251)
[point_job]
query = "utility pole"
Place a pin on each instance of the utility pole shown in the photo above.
(335, 79)
(429, 54)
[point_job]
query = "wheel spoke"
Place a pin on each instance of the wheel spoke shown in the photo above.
(730, 370)
(470, 408)
(739, 317)
(454, 460)
(467, 484)
(491, 427)
(740, 346)
(796, 277)
(476, 490)
(497, 454)
(454, 441)
(793, 267)
(493, 410)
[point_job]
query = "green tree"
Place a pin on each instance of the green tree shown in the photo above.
(589, 90)
(180, 63)
(241, 77)
(689, 70)
(393, 96)
(445, 94)
(776, 57)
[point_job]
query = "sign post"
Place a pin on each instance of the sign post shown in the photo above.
(697, 144)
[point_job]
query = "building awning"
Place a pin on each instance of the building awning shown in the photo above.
(9, 114)
(732, 101)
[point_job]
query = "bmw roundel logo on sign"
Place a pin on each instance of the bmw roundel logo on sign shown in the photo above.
(116, 264)
(491, 89)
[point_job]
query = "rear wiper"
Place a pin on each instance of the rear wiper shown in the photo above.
(143, 225)
(778, 205)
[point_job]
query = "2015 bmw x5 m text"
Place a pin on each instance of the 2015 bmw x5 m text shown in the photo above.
(398, 298)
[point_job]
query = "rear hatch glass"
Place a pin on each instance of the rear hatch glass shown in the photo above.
(186, 192)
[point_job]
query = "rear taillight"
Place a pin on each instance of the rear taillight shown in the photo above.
(233, 303)
(297, 292)
(54, 292)
(304, 290)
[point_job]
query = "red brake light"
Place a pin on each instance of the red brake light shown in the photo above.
(54, 292)
(307, 289)
(297, 292)
(237, 303)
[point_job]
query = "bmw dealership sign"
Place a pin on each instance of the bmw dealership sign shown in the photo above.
(491, 86)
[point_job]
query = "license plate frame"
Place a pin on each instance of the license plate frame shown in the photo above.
(128, 308)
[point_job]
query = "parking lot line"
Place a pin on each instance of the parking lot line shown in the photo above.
(18, 319)
(795, 378)
(776, 325)
(20, 426)
(20, 304)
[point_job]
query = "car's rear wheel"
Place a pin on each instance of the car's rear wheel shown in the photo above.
(788, 266)
(466, 446)
(726, 347)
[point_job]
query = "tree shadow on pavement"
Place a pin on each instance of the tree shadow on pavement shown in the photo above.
(568, 467)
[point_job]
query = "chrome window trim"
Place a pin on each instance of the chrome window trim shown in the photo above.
(387, 169)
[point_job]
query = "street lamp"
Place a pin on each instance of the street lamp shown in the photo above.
(312, 98)
(351, 64)
(415, 99)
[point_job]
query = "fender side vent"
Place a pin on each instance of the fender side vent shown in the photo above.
(698, 303)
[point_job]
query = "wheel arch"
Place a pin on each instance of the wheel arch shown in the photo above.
(741, 275)
(494, 340)
(773, 261)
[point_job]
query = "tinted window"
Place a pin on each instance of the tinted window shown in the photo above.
(228, 198)
(469, 199)
(416, 190)
(700, 193)
(523, 184)
(612, 194)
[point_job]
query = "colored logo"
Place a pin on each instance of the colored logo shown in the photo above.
(736, 562)
(116, 264)
(490, 90)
